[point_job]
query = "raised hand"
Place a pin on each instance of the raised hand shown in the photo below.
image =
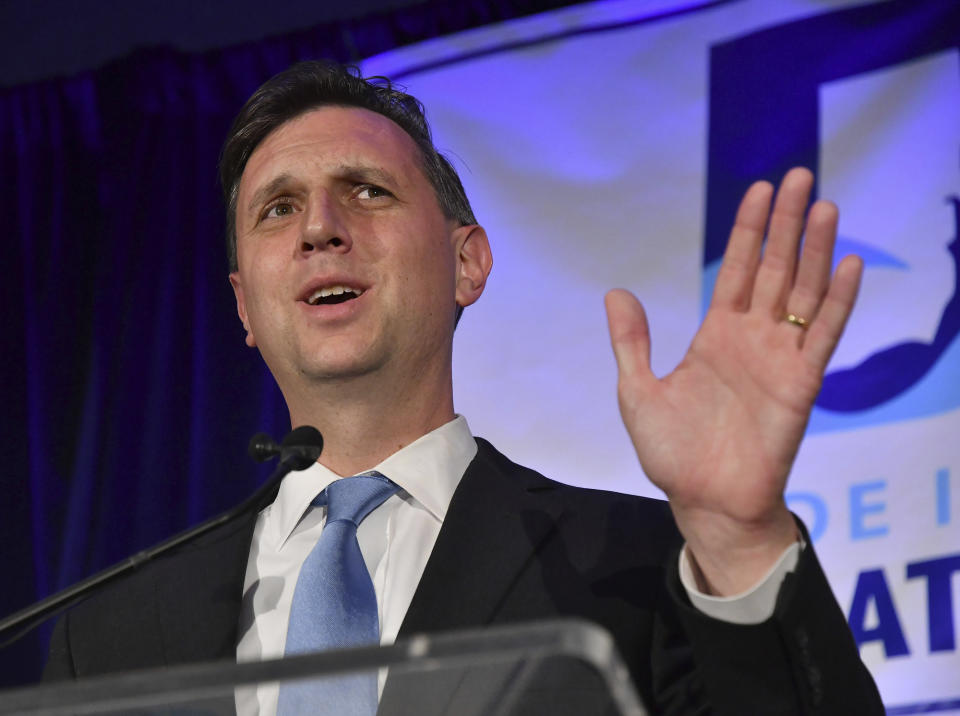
(720, 433)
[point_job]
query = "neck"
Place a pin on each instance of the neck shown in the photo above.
(363, 421)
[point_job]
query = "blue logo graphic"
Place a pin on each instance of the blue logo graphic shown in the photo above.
(764, 119)
(889, 373)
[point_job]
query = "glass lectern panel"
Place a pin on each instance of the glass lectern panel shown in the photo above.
(555, 668)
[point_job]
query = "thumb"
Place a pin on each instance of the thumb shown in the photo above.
(629, 336)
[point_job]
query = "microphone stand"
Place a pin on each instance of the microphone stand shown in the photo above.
(292, 457)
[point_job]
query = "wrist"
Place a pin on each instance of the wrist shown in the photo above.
(729, 557)
(751, 607)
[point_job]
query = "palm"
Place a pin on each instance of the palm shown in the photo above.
(719, 434)
(725, 413)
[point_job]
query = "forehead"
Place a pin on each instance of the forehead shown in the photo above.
(330, 137)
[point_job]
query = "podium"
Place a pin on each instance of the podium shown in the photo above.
(552, 667)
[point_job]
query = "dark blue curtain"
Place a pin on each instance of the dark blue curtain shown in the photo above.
(128, 394)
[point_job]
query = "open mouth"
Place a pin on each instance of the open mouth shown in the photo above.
(332, 295)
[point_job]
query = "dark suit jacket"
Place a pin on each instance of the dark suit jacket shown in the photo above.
(516, 546)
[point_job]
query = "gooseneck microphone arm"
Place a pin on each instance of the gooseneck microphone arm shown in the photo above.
(299, 449)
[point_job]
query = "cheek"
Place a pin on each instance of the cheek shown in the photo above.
(260, 294)
(429, 278)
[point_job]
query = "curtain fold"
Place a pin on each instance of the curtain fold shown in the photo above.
(129, 394)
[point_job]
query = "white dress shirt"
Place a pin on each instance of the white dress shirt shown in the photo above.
(396, 540)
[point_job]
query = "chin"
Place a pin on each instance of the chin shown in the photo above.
(342, 367)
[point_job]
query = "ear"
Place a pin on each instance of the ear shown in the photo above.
(242, 307)
(474, 261)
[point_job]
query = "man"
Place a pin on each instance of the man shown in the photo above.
(353, 251)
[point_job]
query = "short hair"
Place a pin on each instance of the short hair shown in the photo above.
(308, 85)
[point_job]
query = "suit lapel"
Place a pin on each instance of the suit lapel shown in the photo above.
(499, 515)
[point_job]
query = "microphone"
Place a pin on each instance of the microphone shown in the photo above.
(301, 447)
(298, 450)
(262, 447)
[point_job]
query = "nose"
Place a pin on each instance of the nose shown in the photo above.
(324, 227)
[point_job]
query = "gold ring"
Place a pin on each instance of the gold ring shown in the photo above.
(798, 321)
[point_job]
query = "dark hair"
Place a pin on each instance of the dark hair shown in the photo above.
(309, 85)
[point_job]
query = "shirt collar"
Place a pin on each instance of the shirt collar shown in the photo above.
(428, 470)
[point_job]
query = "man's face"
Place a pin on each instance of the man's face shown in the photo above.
(335, 202)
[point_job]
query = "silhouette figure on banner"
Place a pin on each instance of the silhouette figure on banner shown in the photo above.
(888, 373)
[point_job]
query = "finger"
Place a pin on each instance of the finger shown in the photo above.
(828, 325)
(739, 266)
(776, 273)
(629, 336)
(816, 260)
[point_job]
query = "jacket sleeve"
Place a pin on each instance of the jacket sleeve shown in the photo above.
(803, 660)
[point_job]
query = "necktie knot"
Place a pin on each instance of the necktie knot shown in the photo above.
(351, 499)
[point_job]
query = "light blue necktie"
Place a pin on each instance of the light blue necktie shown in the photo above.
(334, 604)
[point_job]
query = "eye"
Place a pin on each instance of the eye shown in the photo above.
(371, 191)
(278, 209)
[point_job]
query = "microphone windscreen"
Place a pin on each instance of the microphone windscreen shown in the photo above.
(302, 447)
(305, 435)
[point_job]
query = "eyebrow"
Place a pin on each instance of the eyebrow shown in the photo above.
(267, 190)
(363, 173)
(358, 173)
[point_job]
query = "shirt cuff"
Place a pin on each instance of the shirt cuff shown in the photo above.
(751, 607)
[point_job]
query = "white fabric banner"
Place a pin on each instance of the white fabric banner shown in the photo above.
(605, 145)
